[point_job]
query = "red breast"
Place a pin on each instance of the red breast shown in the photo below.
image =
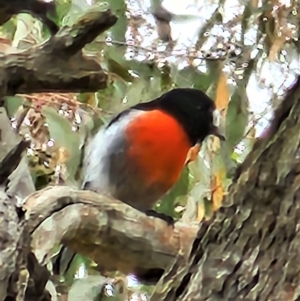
(158, 147)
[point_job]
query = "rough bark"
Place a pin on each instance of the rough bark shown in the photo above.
(249, 249)
(58, 65)
(15, 184)
(88, 223)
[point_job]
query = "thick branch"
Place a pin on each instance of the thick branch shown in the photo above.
(248, 250)
(58, 65)
(110, 232)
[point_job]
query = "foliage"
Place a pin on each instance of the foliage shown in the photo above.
(227, 59)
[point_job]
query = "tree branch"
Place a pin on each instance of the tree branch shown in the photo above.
(58, 65)
(113, 234)
(16, 182)
(248, 250)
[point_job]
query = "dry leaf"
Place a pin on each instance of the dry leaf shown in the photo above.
(200, 212)
(284, 31)
(62, 156)
(92, 100)
(251, 133)
(278, 43)
(217, 191)
(6, 47)
(254, 3)
(222, 94)
(193, 153)
(222, 100)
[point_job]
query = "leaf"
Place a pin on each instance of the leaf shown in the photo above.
(222, 93)
(208, 207)
(6, 47)
(167, 203)
(145, 69)
(236, 117)
(120, 89)
(118, 31)
(184, 18)
(135, 92)
(166, 79)
(25, 23)
(217, 190)
(195, 210)
(221, 100)
(193, 153)
(214, 70)
(248, 142)
(190, 77)
(60, 130)
(89, 98)
(116, 64)
(279, 42)
(155, 88)
(12, 104)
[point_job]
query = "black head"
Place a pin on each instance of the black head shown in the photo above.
(192, 107)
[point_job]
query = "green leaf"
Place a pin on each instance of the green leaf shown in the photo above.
(118, 31)
(25, 23)
(114, 67)
(237, 117)
(120, 90)
(190, 77)
(167, 202)
(166, 79)
(143, 90)
(145, 69)
(12, 104)
(89, 288)
(184, 18)
(248, 143)
(69, 276)
(135, 91)
(60, 130)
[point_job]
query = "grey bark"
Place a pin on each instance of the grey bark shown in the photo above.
(250, 249)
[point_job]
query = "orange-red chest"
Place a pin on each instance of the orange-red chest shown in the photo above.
(158, 147)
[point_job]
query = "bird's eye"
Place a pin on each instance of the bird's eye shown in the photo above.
(216, 118)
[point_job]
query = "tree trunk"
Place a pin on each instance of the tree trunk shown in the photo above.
(249, 249)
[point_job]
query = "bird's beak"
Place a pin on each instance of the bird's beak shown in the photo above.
(215, 131)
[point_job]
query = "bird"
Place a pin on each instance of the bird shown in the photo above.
(140, 154)
(142, 151)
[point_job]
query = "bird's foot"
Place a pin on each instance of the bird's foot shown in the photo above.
(167, 218)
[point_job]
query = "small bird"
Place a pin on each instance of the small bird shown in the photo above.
(142, 151)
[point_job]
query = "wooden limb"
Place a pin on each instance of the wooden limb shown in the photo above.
(113, 234)
(58, 65)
